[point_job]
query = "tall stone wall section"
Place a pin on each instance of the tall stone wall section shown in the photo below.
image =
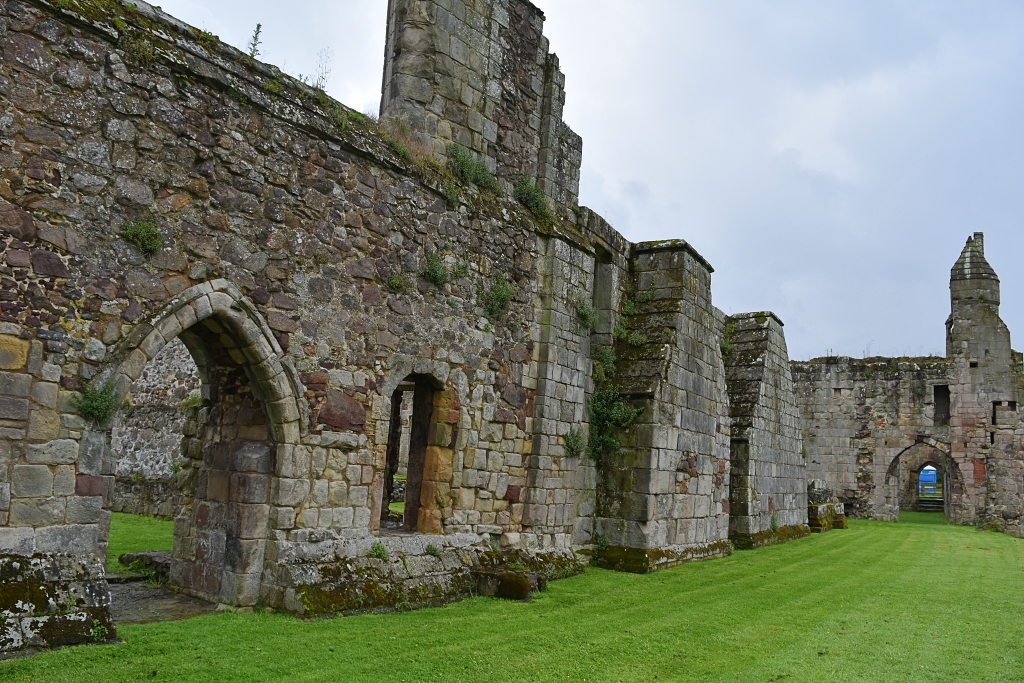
(768, 480)
(987, 383)
(480, 74)
(665, 498)
(294, 241)
(859, 416)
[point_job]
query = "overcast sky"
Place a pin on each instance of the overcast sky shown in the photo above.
(828, 158)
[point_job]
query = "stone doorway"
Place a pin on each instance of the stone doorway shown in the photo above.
(418, 461)
(245, 409)
(905, 474)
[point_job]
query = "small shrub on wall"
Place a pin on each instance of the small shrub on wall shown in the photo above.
(144, 235)
(97, 403)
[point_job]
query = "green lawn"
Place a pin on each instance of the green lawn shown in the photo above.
(135, 533)
(840, 606)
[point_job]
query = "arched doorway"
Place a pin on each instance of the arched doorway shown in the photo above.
(247, 410)
(947, 492)
(905, 473)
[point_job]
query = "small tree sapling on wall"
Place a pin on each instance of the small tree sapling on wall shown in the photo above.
(609, 415)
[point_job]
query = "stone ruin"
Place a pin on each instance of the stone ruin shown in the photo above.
(871, 425)
(333, 320)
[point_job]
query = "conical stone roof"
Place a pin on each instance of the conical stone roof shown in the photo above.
(972, 278)
(972, 264)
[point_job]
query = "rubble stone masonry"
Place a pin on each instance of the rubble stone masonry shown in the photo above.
(870, 425)
(253, 356)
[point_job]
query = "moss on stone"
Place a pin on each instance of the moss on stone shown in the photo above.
(646, 560)
(770, 537)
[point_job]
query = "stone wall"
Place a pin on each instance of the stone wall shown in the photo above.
(295, 235)
(480, 74)
(859, 415)
(52, 600)
(871, 424)
(146, 437)
(665, 499)
(768, 485)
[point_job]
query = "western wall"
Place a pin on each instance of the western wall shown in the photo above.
(569, 398)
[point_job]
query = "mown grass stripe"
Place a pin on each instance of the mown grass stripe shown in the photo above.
(913, 601)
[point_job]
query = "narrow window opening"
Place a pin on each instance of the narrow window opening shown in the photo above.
(604, 283)
(837, 393)
(995, 412)
(397, 464)
(941, 394)
(992, 437)
(974, 363)
(1012, 405)
(412, 408)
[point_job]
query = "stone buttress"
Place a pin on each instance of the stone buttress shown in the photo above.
(768, 483)
(664, 499)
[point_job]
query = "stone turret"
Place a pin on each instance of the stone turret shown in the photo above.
(974, 331)
(972, 278)
(983, 392)
(480, 74)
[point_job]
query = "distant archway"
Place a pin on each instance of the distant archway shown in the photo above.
(904, 480)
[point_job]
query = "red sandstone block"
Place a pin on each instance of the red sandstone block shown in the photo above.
(88, 485)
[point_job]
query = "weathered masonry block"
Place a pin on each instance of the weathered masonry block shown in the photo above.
(768, 485)
(479, 74)
(872, 425)
(305, 274)
(52, 600)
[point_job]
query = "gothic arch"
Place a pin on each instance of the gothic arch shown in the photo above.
(251, 409)
(272, 371)
(928, 450)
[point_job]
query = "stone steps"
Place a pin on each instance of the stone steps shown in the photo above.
(932, 505)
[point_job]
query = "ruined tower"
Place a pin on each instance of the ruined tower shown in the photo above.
(871, 425)
(478, 73)
(985, 380)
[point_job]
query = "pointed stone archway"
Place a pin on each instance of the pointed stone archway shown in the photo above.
(903, 471)
(251, 411)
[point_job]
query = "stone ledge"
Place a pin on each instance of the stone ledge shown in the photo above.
(769, 537)
(647, 560)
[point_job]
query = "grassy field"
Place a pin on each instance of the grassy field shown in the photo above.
(913, 601)
(135, 533)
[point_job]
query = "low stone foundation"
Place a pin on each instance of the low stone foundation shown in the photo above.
(646, 560)
(769, 536)
(824, 512)
(825, 517)
(149, 497)
(52, 600)
(420, 571)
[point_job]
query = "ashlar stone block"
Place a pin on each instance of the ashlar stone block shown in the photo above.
(55, 452)
(32, 481)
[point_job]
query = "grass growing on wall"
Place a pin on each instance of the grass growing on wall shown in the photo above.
(913, 601)
(135, 533)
